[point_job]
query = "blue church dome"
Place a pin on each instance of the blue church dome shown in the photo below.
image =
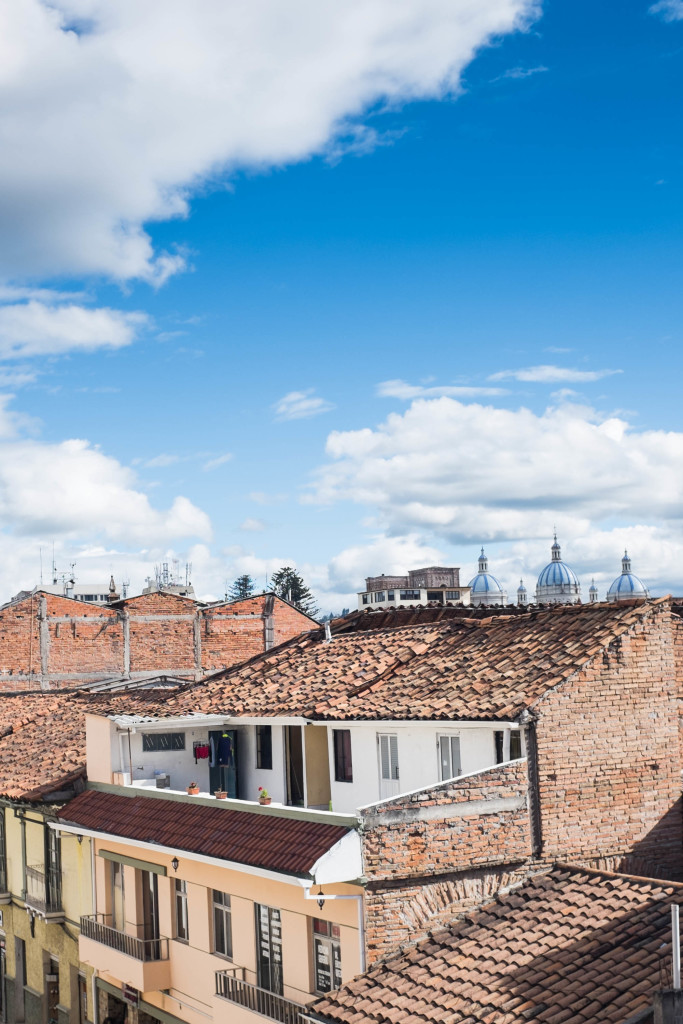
(627, 584)
(557, 583)
(485, 588)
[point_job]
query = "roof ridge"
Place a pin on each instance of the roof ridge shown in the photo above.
(603, 873)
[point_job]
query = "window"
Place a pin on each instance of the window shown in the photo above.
(449, 756)
(326, 956)
(264, 746)
(222, 924)
(434, 595)
(378, 596)
(409, 595)
(156, 741)
(390, 595)
(343, 767)
(515, 745)
(500, 757)
(269, 948)
(452, 595)
(182, 932)
(365, 598)
(118, 915)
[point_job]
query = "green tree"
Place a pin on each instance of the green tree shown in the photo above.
(241, 588)
(288, 583)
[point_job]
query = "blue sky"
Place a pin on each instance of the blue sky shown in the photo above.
(440, 235)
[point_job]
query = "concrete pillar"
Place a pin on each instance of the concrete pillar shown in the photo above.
(668, 1007)
(125, 624)
(198, 643)
(44, 634)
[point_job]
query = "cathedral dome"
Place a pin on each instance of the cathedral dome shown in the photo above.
(485, 588)
(557, 583)
(627, 585)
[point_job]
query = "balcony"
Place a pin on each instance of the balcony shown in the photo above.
(142, 963)
(258, 1000)
(44, 893)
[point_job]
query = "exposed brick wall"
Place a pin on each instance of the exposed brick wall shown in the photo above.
(441, 848)
(56, 641)
(609, 755)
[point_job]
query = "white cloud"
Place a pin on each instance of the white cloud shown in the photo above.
(348, 569)
(250, 525)
(521, 72)
(469, 472)
(219, 460)
(670, 10)
(401, 389)
(161, 461)
(263, 498)
(36, 329)
(553, 375)
(299, 405)
(115, 113)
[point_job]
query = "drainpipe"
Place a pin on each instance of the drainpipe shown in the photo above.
(528, 722)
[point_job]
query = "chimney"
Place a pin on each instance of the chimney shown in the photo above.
(668, 1007)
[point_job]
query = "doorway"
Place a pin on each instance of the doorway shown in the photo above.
(150, 914)
(387, 744)
(223, 762)
(294, 766)
(52, 990)
(269, 948)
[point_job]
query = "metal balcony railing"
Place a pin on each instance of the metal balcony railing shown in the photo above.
(44, 890)
(258, 1000)
(3, 872)
(146, 950)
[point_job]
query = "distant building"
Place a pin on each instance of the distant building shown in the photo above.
(627, 585)
(486, 590)
(558, 583)
(433, 584)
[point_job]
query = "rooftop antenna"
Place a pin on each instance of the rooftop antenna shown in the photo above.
(54, 565)
(125, 583)
(188, 573)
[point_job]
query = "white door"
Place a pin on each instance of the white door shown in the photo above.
(387, 744)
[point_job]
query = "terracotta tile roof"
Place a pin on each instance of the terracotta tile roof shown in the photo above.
(289, 845)
(571, 946)
(452, 668)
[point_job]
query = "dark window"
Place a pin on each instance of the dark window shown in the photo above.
(409, 595)
(343, 767)
(269, 948)
(499, 747)
(515, 745)
(156, 741)
(326, 956)
(181, 922)
(452, 595)
(264, 746)
(378, 596)
(222, 924)
(390, 595)
(434, 595)
(365, 598)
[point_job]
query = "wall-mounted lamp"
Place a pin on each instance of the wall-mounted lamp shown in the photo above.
(80, 838)
(174, 863)
(321, 898)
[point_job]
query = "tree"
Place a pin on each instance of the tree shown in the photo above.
(288, 583)
(241, 588)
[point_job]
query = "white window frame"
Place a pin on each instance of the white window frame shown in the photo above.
(452, 740)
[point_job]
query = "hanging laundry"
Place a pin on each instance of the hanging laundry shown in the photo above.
(226, 751)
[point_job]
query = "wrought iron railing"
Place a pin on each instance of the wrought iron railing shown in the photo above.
(258, 1000)
(93, 927)
(44, 890)
(3, 871)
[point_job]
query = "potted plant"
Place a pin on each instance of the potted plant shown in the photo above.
(221, 794)
(263, 797)
(193, 789)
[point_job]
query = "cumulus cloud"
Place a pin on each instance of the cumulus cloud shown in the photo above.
(466, 471)
(34, 328)
(669, 10)
(299, 405)
(401, 389)
(115, 113)
(553, 375)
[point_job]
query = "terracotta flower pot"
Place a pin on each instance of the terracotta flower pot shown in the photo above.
(193, 790)
(264, 799)
(221, 794)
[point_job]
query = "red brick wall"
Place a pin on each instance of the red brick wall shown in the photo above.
(609, 755)
(441, 850)
(84, 643)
